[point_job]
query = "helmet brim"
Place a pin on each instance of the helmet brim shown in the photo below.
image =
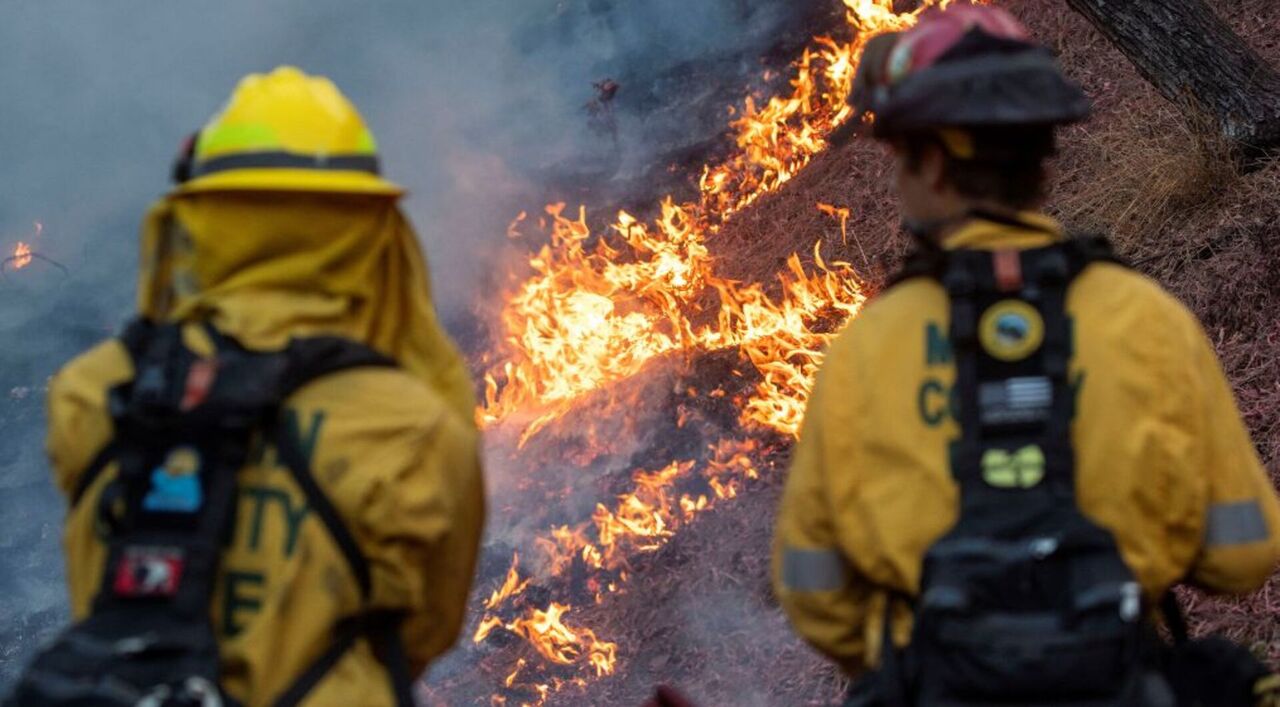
(297, 180)
(991, 91)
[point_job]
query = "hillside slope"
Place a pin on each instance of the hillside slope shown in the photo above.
(700, 614)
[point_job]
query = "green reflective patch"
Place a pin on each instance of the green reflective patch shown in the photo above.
(235, 138)
(366, 144)
(1022, 469)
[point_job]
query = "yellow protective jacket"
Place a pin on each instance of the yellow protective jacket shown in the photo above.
(1163, 459)
(394, 450)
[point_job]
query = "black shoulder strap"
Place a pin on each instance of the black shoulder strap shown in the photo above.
(289, 449)
(1175, 620)
(133, 338)
(311, 359)
(922, 262)
(308, 359)
(1083, 249)
(92, 472)
(319, 356)
(1024, 401)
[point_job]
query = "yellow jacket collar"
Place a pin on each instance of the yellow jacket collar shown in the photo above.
(983, 234)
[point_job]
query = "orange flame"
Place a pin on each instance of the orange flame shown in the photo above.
(839, 213)
(596, 308)
(22, 256)
(559, 643)
(510, 587)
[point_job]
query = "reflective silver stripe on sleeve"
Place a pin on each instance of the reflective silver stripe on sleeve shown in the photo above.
(813, 570)
(1238, 523)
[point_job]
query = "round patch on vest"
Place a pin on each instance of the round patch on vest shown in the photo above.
(1011, 330)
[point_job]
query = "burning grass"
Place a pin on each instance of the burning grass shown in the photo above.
(650, 377)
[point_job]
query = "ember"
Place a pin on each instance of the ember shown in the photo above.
(21, 257)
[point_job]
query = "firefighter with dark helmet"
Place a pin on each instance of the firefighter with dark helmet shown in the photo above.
(273, 474)
(1021, 445)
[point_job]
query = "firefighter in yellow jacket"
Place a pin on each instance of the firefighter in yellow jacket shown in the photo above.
(279, 228)
(1162, 460)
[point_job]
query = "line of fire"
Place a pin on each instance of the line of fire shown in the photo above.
(637, 383)
(602, 325)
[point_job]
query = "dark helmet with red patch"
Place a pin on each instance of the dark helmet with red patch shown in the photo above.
(968, 66)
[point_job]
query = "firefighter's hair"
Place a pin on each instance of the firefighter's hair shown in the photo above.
(1006, 165)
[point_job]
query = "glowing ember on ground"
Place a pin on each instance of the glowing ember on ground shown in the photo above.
(21, 257)
(596, 308)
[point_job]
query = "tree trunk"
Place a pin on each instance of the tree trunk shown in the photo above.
(1196, 61)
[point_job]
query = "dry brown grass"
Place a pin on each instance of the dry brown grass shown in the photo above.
(1144, 175)
(700, 615)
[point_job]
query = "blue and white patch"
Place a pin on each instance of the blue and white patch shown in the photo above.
(175, 485)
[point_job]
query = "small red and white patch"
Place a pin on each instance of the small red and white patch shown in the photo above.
(148, 572)
(200, 379)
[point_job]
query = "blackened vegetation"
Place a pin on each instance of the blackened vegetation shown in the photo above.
(683, 406)
(668, 105)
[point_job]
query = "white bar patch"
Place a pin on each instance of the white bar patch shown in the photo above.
(1238, 523)
(822, 570)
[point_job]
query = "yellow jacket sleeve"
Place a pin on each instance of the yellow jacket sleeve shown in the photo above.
(421, 534)
(79, 428)
(1241, 545)
(821, 593)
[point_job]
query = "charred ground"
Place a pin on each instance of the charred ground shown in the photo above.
(699, 613)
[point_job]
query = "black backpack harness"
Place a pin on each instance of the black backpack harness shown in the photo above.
(1024, 601)
(184, 427)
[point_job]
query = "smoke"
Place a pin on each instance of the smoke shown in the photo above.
(481, 109)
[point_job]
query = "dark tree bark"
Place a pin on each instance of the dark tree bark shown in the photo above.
(1195, 60)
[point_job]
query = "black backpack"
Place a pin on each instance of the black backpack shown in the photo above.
(1025, 601)
(184, 427)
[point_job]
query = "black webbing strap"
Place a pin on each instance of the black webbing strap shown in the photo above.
(1174, 619)
(922, 262)
(961, 283)
(382, 630)
(93, 471)
(893, 675)
(133, 338)
(290, 450)
(345, 635)
(385, 634)
(314, 358)
(1050, 288)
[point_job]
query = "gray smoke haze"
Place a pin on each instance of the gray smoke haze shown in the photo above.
(478, 106)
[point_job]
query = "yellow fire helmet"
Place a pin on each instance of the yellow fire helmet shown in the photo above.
(284, 131)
